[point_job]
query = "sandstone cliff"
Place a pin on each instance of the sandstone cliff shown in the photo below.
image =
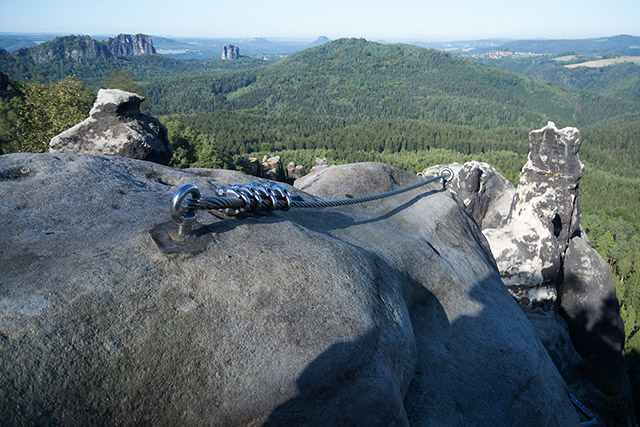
(78, 48)
(390, 313)
(231, 52)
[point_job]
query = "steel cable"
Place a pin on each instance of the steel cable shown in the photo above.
(260, 197)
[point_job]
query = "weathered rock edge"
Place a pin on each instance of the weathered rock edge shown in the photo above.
(391, 313)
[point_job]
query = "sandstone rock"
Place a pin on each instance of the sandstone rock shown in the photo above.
(272, 168)
(553, 331)
(254, 167)
(486, 194)
(545, 260)
(554, 165)
(321, 163)
(116, 127)
(78, 48)
(231, 52)
(129, 45)
(345, 181)
(589, 304)
(294, 172)
(384, 314)
(546, 212)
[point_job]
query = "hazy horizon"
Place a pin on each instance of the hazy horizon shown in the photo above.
(403, 20)
(305, 39)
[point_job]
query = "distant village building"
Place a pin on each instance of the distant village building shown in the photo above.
(230, 52)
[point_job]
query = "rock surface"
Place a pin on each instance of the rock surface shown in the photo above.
(231, 52)
(390, 313)
(321, 163)
(546, 213)
(116, 127)
(253, 167)
(528, 228)
(345, 182)
(590, 306)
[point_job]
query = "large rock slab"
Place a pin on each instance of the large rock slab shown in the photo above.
(390, 313)
(116, 127)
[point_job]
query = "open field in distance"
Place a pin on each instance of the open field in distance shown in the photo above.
(604, 62)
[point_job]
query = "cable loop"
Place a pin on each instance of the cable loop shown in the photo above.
(182, 215)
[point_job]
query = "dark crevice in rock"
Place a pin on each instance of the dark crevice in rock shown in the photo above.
(434, 248)
(557, 225)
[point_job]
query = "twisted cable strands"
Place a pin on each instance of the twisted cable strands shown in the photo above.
(259, 197)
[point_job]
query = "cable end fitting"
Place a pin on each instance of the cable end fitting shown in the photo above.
(183, 216)
(447, 175)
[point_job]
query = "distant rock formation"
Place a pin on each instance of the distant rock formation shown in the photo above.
(116, 127)
(130, 45)
(390, 313)
(294, 172)
(230, 52)
(272, 168)
(320, 164)
(78, 48)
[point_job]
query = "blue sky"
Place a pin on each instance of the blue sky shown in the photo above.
(441, 20)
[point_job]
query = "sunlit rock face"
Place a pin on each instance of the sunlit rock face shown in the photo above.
(486, 194)
(78, 48)
(528, 227)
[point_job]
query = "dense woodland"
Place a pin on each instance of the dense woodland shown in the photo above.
(353, 100)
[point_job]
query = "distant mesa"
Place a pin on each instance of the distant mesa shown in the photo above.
(230, 51)
(78, 48)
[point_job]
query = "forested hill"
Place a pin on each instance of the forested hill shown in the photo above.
(354, 78)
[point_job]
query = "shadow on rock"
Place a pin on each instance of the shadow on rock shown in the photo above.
(474, 370)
